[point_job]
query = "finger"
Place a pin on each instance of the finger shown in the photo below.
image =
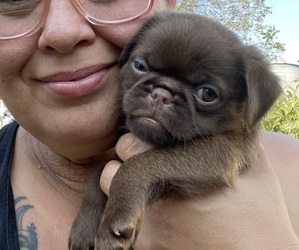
(107, 175)
(129, 145)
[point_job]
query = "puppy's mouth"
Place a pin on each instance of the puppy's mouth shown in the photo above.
(151, 113)
(150, 130)
(149, 122)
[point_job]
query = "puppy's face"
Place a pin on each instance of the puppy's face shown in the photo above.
(184, 76)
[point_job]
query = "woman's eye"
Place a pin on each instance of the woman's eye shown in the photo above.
(11, 1)
(140, 65)
(19, 8)
(206, 95)
(19, 2)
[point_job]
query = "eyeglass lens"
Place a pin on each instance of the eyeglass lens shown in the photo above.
(114, 10)
(18, 17)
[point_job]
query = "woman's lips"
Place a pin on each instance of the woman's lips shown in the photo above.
(77, 83)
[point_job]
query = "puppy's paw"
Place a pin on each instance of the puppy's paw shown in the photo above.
(117, 235)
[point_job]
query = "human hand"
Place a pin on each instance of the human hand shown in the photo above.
(251, 215)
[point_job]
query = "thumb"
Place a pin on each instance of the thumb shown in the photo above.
(129, 145)
(108, 173)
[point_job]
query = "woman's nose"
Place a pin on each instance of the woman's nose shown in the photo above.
(64, 29)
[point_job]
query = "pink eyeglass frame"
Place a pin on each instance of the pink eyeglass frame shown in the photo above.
(87, 16)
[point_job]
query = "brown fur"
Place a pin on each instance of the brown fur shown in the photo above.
(196, 92)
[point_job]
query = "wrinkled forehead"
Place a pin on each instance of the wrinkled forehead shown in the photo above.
(193, 49)
(191, 41)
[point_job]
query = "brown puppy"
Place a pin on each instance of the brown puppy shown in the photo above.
(192, 87)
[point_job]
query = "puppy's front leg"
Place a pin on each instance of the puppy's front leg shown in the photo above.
(124, 211)
(143, 179)
(88, 220)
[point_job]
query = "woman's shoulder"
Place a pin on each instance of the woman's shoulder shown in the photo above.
(9, 130)
(283, 154)
(7, 139)
(282, 150)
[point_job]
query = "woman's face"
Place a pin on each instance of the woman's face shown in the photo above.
(61, 84)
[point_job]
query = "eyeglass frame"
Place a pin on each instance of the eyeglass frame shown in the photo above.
(84, 13)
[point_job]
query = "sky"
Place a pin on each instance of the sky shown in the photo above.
(286, 19)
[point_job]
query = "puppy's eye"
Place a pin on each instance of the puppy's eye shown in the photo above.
(140, 65)
(206, 95)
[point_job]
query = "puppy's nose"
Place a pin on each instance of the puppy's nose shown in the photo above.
(161, 96)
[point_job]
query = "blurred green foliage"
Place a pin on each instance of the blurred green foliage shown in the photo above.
(284, 115)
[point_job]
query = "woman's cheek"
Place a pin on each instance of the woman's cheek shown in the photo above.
(14, 55)
(122, 33)
(119, 34)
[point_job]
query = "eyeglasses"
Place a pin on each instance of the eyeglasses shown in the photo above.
(19, 18)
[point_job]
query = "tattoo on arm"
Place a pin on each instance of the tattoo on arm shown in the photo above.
(27, 233)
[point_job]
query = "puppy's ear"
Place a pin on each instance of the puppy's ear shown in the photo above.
(262, 85)
(129, 47)
(127, 50)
